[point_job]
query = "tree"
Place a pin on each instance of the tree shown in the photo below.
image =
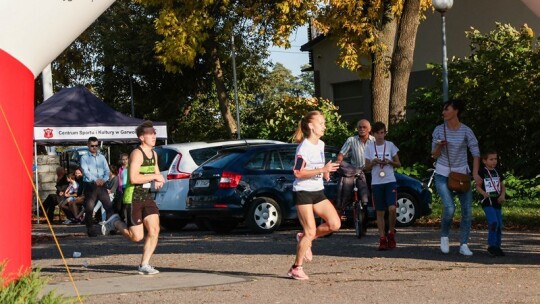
(365, 32)
(195, 31)
(402, 59)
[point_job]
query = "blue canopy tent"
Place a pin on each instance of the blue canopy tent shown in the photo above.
(74, 114)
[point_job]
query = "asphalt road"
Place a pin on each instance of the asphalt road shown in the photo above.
(344, 269)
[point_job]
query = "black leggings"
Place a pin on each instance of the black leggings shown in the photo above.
(92, 193)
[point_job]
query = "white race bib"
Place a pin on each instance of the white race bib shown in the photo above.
(492, 184)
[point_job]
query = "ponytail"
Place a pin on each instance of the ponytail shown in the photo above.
(303, 130)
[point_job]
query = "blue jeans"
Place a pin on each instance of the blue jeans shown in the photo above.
(495, 224)
(447, 197)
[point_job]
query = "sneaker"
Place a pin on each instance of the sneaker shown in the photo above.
(147, 270)
(67, 222)
(499, 252)
(445, 246)
(392, 240)
(297, 273)
(492, 250)
(464, 250)
(383, 243)
(308, 256)
(108, 226)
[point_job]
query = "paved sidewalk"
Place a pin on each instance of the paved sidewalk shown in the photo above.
(140, 283)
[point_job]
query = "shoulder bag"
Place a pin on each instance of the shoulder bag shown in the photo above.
(457, 182)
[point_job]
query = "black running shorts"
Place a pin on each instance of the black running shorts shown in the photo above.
(308, 197)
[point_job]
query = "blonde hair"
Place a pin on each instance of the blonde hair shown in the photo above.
(303, 129)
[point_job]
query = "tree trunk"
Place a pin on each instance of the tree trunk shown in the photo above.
(380, 76)
(402, 59)
(222, 95)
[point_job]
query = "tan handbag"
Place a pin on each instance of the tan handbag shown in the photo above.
(457, 182)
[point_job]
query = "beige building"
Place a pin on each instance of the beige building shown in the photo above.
(352, 95)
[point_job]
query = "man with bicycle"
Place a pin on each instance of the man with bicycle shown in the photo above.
(354, 147)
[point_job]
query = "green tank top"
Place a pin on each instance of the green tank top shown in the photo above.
(140, 192)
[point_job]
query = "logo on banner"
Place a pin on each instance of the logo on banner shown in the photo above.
(48, 133)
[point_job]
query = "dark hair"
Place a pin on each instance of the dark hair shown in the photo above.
(379, 125)
(303, 131)
(71, 176)
(114, 169)
(488, 152)
(92, 138)
(457, 104)
(144, 125)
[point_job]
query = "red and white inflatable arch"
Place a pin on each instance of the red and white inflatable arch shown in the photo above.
(32, 34)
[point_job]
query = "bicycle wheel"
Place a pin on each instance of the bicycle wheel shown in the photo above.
(359, 219)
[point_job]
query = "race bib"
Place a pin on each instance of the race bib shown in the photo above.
(492, 184)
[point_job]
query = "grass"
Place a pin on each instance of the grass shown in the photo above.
(518, 214)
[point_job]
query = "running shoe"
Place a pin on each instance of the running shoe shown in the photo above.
(297, 273)
(108, 226)
(445, 244)
(308, 256)
(383, 243)
(147, 270)
(464, 250)
(392, 240)
(500, 252)
(492, 250)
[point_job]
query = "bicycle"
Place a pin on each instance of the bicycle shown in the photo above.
(359, 209)
(429, 181)
(353, 194)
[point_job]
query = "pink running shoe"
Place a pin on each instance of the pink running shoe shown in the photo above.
(309, 255)
(297, 273)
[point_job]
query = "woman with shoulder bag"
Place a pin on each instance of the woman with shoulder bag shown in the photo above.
(449, 147)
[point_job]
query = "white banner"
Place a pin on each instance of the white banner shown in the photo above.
(102, 133)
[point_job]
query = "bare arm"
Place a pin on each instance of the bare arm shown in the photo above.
(476, 167)
(307, 173)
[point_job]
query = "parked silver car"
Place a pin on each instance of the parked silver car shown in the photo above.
(176, 163)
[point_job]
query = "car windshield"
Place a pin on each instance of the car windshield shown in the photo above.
(222, 159)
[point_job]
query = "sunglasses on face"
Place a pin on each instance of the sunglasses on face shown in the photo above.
(94, 146)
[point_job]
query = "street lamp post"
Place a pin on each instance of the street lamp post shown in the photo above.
(442, 6)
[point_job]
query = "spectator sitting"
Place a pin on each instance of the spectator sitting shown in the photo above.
(69, 195)
(72, 209)
(54, 199)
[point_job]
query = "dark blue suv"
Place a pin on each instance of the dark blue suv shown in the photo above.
(254, 185)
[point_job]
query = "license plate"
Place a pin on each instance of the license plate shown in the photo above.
(202, 183)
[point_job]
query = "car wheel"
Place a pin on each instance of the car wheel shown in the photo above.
(264, 215)
(222, 226)
(172, 224)
(406, 210)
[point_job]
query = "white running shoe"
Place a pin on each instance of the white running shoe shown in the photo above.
(445, 246)
(108, 226)
(464, 250)
(147, 270)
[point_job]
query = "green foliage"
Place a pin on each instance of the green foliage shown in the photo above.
(418, 171)
(522, 188)
(499, 82)
(280, 119)
(26, 290)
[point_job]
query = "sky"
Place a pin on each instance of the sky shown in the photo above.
(292, 58)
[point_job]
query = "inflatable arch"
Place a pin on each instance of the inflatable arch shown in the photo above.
(32, 34)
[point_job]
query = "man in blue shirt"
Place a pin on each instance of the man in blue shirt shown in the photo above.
(96, 173)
